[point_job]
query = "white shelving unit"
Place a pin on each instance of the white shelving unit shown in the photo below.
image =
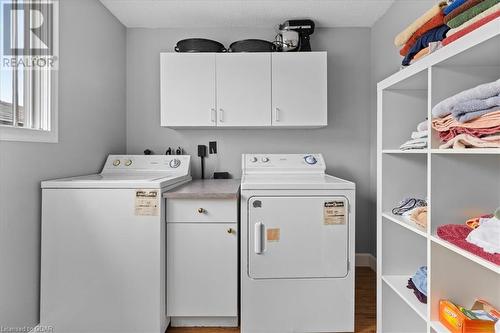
(458, 184)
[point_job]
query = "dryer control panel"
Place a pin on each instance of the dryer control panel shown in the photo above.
(283, 163)
(120, 163)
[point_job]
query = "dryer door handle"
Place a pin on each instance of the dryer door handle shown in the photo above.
(259, 237)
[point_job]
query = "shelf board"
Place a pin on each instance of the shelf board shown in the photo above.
(486, 151)
(405, 223)
(398, 284)
(411, 151)
(438, 327)
(485, 263)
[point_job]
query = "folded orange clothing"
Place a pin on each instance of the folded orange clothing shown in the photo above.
(460, 9)
(434, 22)
(422, 53)
(491, 119)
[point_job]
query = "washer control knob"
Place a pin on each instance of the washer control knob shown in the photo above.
(253, 159)
(175, 163)
(310, 159)
(265, 159)
(116, 163)
(128, 162)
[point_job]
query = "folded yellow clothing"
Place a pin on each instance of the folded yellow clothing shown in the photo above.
(419, 216)
(473, 20)
(404, 35)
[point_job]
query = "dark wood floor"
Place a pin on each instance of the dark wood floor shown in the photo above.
(365, 307)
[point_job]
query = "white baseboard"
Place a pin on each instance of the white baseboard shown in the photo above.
(366, 260)
(204, 321)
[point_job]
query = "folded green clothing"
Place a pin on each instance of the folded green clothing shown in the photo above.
(471, 12)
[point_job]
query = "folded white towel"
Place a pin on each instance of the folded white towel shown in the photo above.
(423, 126)
(421, 134)
(487, 235)
(420, 143)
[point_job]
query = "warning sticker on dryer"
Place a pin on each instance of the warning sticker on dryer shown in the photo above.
(334, 212)
(147, 203)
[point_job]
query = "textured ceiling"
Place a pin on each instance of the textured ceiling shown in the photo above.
(245, 13)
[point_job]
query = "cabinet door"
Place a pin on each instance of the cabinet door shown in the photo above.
(299, 89)
(244, 89)
(188, 89)
(202, 270)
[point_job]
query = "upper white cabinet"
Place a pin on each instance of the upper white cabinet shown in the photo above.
(244, 89)
(299, 89)
(188, 89)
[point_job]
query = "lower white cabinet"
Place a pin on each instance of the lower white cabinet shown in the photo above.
(202, 264)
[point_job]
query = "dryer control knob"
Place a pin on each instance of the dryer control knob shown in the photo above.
(116, 163)
(310, 159)
(265, 159)
(175, 163)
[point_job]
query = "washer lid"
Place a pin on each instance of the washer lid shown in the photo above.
(294, 182)
(117, 180)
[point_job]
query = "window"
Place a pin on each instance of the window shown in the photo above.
(28, 108)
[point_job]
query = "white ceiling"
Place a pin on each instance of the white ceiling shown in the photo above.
(245, 13)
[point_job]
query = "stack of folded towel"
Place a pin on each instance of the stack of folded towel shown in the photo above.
(421, 37)
(465, 16)
(470, 119)
(441, 25)
(418, 138)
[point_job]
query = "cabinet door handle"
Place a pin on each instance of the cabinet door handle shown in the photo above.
(213, 115)
(259, 237)
(221, 115)
(276, 114)
(230, 231)
(201, 210)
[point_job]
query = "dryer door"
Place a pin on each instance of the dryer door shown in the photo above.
(298, 237)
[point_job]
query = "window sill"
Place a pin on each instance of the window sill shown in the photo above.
(28, 135)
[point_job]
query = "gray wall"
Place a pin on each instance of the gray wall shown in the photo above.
(92, 124)
(345, 143)
(386, 60)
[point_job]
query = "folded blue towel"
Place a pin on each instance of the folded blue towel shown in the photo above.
(434, 35)
(455, 4)
(482, 91)
(420, 280)
(475, 105)
(468, 116)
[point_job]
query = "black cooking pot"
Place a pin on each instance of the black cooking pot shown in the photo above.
(252, 45)
(199, 45)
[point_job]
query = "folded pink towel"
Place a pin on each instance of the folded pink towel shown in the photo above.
(462, 141)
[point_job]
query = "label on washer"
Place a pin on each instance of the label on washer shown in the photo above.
(273, 235)
(334, 212)
(147, 203)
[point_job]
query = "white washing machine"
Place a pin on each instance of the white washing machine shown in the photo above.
(297, 246)
(103, 260)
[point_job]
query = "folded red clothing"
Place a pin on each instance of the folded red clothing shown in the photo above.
(446, 136)
(434, 22)
(457, 233)
(471, 28)
(460, 9)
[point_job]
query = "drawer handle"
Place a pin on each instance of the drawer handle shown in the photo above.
(230, 231)
(201, 210)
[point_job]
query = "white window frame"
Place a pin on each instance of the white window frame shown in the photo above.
(26, 134)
